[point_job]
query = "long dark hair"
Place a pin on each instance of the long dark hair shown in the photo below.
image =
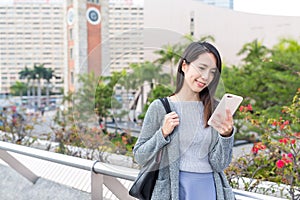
(190, 54)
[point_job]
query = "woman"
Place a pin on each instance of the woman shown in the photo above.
(195, 153)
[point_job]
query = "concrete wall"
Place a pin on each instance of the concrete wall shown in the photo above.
(231, 29)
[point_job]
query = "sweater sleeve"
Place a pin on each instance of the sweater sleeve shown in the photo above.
(151, 139)
(221, 154)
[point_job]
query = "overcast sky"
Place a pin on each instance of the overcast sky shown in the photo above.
(269, 7)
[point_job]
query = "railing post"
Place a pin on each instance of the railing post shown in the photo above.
(117, 188)
(18, 166)
(96, 184)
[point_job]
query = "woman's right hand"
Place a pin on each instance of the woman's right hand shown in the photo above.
(170, 122)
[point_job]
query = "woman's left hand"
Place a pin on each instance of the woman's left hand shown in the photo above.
(224, 126)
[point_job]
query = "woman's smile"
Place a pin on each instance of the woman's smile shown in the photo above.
(200, 84)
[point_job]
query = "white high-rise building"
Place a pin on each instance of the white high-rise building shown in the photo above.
(31, 32)
(126, 21)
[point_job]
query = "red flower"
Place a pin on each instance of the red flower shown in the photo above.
(280, 164)
(286, 158)
(249, 107)
(254, 149)
(293, 141)
(258, 146)
(286, 122)
(284, 140)
(281, 126)
(241, 108)
(246, 108)
(283, 111)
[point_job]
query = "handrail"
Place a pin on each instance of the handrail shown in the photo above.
(71, 161)
(97, 168)
(47, 155)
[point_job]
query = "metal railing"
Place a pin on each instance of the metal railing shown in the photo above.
(101, 173)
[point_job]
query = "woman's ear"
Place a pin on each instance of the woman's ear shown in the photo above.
(184, 66)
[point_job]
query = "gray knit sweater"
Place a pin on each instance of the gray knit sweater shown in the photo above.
(194, 137)
(151, 140)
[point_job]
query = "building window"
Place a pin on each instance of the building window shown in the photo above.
(71, 34)
(72, 77)
(71, 53)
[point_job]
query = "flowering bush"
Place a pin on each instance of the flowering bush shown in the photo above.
(275, 158)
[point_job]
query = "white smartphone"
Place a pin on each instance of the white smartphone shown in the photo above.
(228, 101)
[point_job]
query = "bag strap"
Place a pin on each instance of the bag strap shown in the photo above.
(166, 104)
(167, 107)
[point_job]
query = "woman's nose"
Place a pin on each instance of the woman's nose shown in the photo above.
(205, 74)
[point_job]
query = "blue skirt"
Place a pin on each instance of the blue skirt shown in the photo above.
(196, 186)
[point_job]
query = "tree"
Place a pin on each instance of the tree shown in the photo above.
(266, 82)
(104, 94)
(190, 38)
(255, 52)
(49, 74)
(26, 73)
(143, 73)
(39, 73)
(169, 54)
(19, 88)
(158, 92)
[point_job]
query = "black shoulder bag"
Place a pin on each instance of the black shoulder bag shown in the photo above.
(143, 185)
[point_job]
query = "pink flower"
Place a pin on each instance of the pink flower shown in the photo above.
(280, 164)
(290, 155)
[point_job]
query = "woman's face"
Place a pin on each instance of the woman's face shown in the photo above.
(200, 72)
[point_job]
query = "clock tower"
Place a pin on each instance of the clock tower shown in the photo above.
(84, 40)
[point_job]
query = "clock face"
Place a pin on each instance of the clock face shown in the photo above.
(93, 16)
(70, 16)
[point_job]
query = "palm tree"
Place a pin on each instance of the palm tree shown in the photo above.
(49, 74)
(39, 72)
(255, 52)
(169, 54)
(142, 72)
(190, 38)
(26, 74)
(32, 77)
